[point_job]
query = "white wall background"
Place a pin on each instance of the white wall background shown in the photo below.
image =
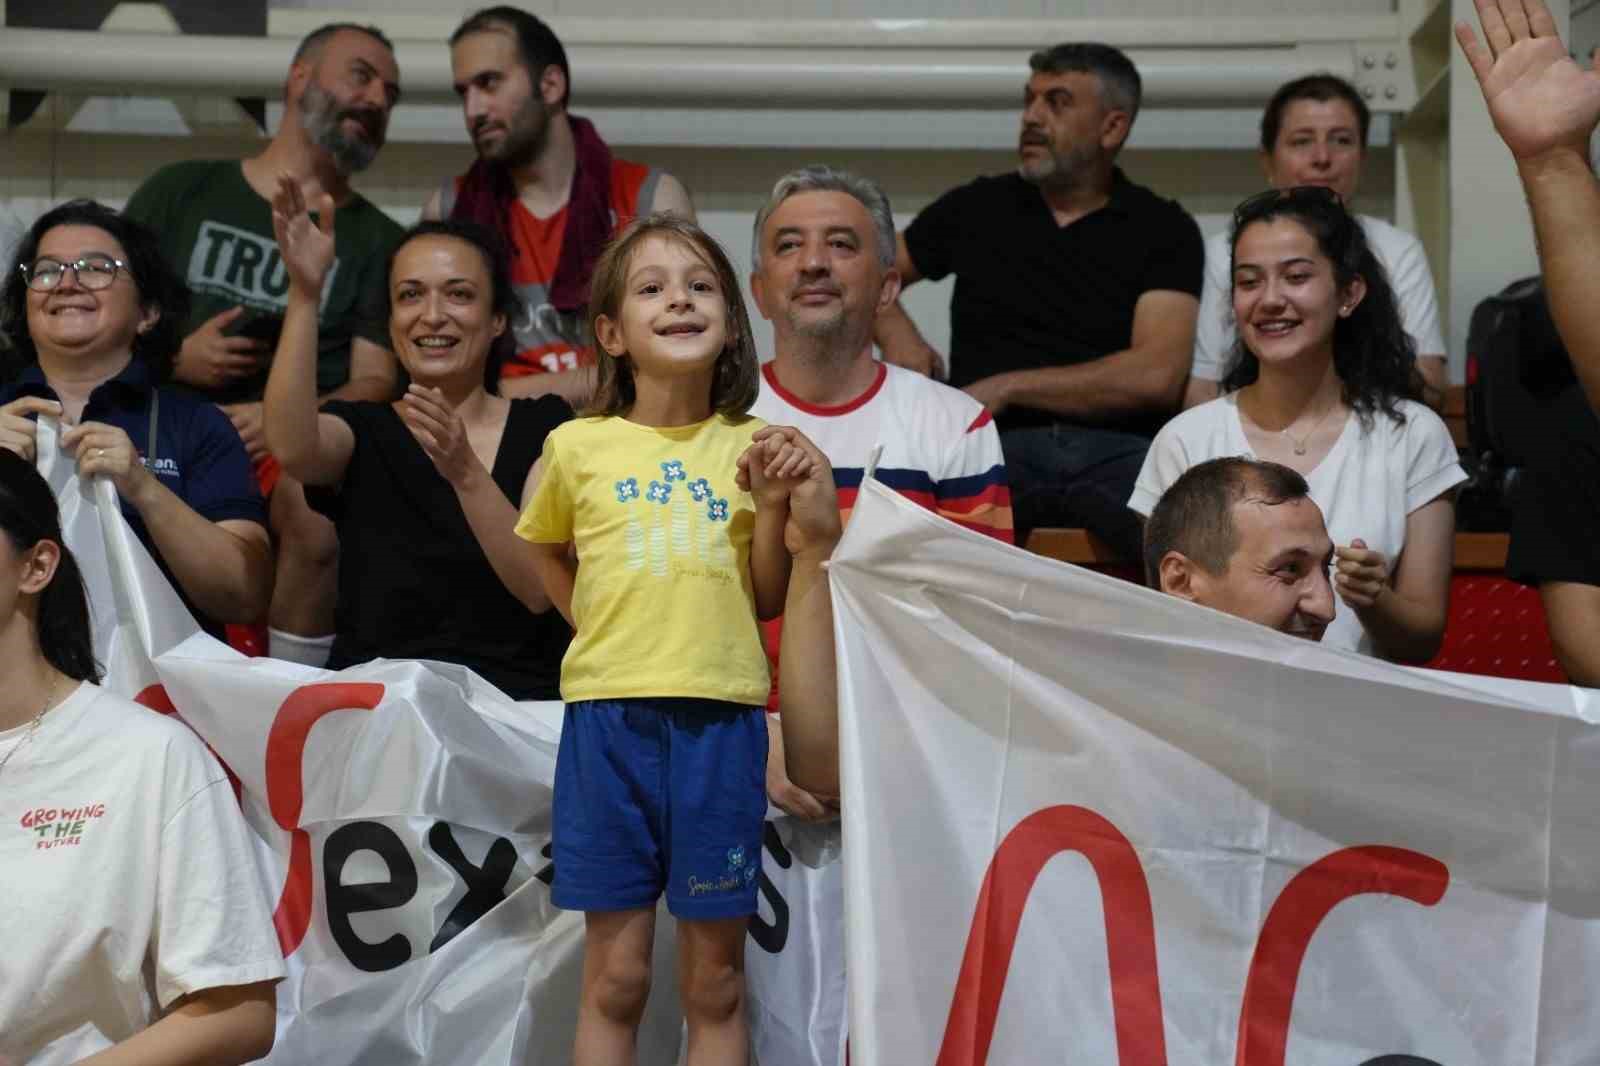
(727, 184)
(1203, 159)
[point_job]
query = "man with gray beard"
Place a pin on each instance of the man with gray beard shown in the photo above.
(1076, 292)
(214, 218)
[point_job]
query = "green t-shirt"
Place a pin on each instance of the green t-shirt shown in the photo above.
(216, 231)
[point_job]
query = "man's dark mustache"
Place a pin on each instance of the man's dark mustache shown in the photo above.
(371, 120)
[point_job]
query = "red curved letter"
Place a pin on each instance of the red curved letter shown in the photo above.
(286, 748)
(155, 697)
(1299, 909)
(1130, 935)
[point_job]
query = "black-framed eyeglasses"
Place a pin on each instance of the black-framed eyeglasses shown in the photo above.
(91, 272)
(1261, 202)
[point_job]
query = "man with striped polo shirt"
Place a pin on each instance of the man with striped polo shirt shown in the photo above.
(823, 266)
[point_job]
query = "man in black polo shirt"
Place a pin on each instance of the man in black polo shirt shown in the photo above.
(1075, 299)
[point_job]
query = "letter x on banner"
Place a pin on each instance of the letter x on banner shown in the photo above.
(1086, 823)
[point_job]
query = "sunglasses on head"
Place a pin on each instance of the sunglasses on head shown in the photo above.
(1309, 195)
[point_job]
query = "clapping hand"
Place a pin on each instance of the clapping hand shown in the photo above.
(1361, 575)
(440, 431)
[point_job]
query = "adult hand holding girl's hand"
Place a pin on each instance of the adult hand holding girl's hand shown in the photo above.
(778, 458)
(103, 449)
(440, 431)
(17, 430)
(306, 246)
(1361, 575)
(813, 522)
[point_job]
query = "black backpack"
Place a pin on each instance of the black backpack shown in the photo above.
(1517, 368)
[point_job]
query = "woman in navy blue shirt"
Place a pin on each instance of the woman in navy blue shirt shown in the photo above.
(92, 311)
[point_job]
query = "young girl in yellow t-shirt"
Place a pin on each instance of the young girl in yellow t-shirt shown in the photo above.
(660, 777)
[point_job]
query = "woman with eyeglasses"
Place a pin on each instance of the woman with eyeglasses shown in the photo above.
(1323, 379)
(92, 312)
(1314, 132)
(135, 927)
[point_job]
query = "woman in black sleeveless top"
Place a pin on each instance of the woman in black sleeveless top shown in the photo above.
(413, 487)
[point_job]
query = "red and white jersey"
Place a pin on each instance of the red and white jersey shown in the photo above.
(940, 449)
(940, 446)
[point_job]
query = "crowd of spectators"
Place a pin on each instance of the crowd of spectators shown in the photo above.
(316, 419)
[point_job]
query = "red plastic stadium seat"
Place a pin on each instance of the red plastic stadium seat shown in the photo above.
(1496, 627)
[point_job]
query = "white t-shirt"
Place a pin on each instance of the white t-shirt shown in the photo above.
(1367, 484)
(1401, 255)
(940, 447)
(129, 880)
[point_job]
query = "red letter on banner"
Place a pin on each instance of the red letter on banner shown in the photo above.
(1130, 935)
(1300, 908)
(286, 748)
(155, 697)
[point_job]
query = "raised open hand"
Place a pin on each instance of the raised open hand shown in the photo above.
(1539, 98)
(306, 245)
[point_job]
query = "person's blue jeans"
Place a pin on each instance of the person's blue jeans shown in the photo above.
(1078, 476)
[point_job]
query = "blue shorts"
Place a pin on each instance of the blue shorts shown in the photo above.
(658, 795)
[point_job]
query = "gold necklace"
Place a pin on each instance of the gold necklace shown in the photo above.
(33, 726)
(1300, 445)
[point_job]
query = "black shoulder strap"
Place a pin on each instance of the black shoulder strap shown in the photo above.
(155, 417)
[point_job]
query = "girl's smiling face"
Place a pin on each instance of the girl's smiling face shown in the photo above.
(673, 319)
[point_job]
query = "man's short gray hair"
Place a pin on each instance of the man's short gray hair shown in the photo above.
(819, 177)
(1120, 85)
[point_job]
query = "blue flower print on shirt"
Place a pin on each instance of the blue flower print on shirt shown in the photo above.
(717, 510)
(700, 489)
(672, 470)
(658, 492)
(627, 489)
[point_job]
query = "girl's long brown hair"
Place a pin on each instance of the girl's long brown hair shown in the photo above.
(738, 377)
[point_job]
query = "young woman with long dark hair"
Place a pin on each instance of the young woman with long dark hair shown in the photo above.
(135, 927)
(1323, 379)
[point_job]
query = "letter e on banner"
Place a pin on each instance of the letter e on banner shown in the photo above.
(344, 900)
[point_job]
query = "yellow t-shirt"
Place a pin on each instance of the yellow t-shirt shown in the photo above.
(663, 600)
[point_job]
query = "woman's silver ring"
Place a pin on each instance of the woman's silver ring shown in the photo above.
(99, 452)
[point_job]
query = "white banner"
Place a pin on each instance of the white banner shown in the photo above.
(1091, 824)
(795, 959)
(403, 814)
